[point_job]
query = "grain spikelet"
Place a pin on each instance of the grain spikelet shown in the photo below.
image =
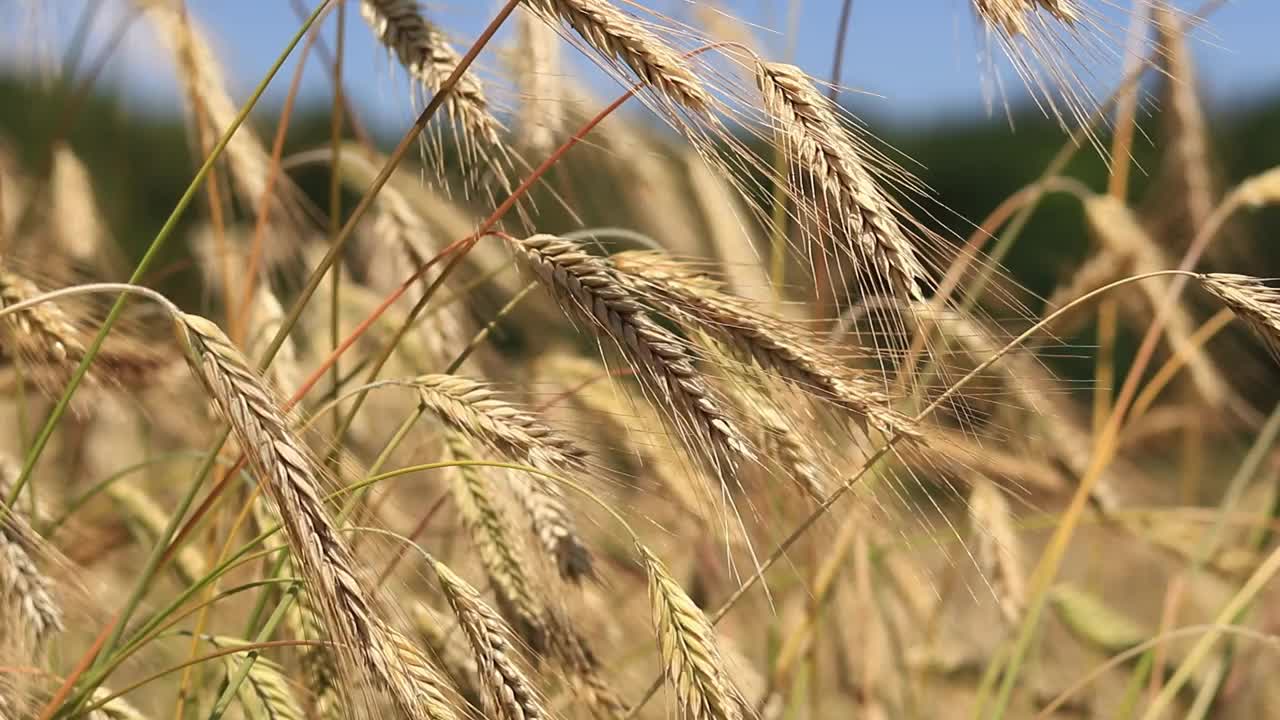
(444, 645)
(29, 612)
(472, 409)
(588, 287)
(1260, 190)
(621, 38)
(767, 339)
(573, 653)
(291, 480)
(265, 693)
(76, 221)
(117, 709)
(427, 56)
(998, 549)
(475, 410)
(686, 641)
(44, 328)
(817, 144)
(474, 497)
(1253, 301)
(148, 520)
(508, 693)
(1015, 16)
(427, 681)
(399, 244)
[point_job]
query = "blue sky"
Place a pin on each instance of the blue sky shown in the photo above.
(920, 58)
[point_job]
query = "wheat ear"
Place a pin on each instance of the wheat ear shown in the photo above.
(448, 651)
(1013, 16)
(817, 143)
(591, 289)
(26, 594)
(1253, 301)
(44, 326)
(690, 659)
(508, 693)
(998, 548)
(291, 478)
(117, 709)
(767, 339)
(207, 95)
(474, 497)
(430, 60)
(265, 691)
(621, 38)
(472, 409)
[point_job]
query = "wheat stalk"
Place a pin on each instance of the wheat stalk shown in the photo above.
(472, 409)
(291, 478)
(508, 693)
(816, 142)
(686, 641)
(572, 651)
(621, 38)
(26, 594)
(592, 290)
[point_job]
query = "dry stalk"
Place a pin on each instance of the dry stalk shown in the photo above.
(622, 38)
(686, 641)
(291, 478)
(816, 143)
(508, 693)
(29, 612)
(592, 290)
(473, 410)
